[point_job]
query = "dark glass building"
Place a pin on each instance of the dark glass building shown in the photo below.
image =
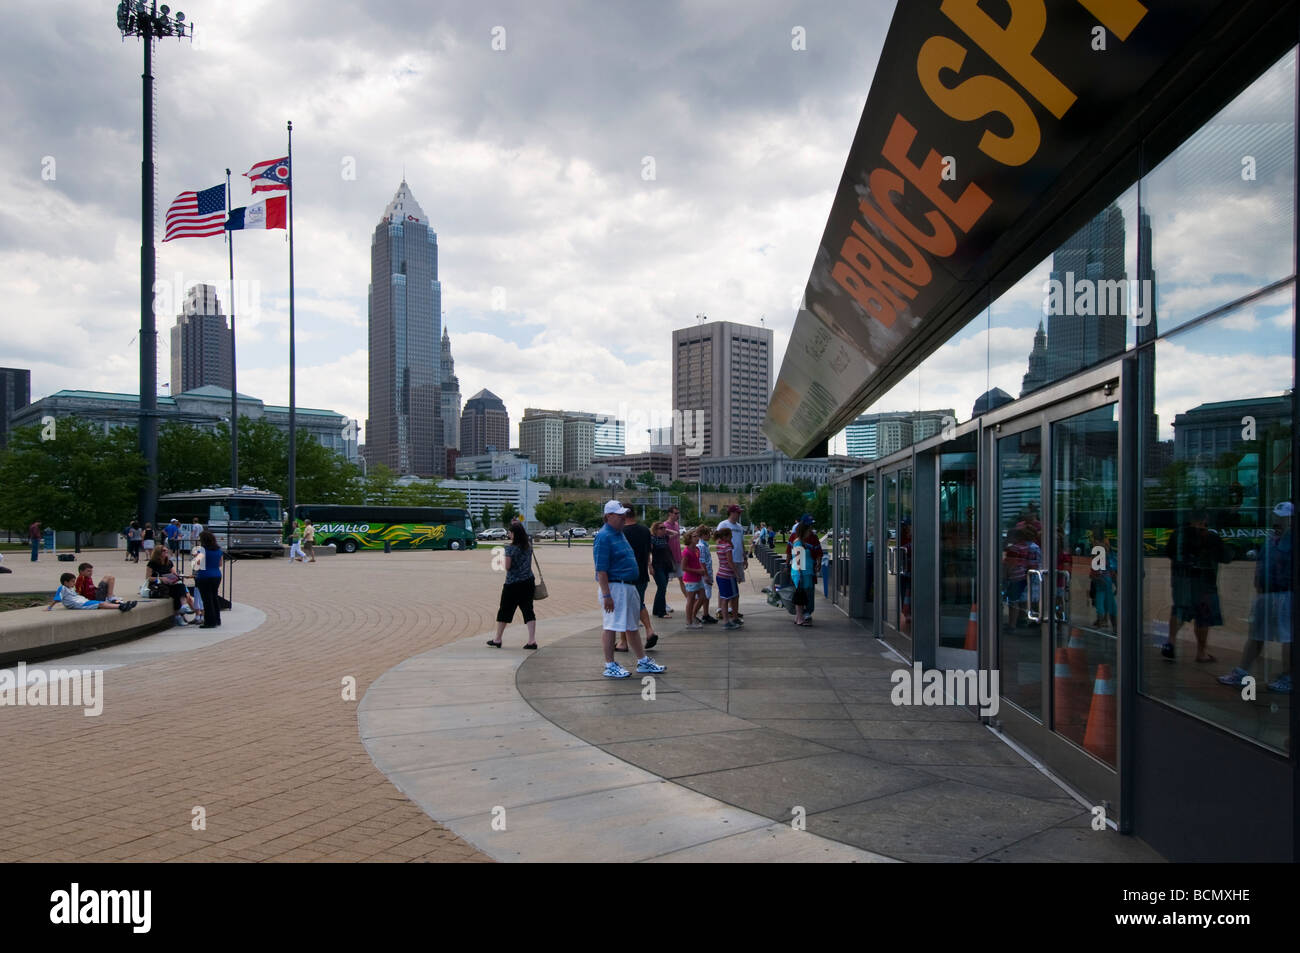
(404, 430)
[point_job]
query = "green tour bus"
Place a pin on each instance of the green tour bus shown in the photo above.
(351, 528)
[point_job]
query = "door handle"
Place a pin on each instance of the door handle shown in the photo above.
(1030, 614)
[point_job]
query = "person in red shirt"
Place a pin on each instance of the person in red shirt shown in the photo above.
(86, 584)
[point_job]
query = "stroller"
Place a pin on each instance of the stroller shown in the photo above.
(781, 592)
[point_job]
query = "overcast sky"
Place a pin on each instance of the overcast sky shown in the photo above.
(564, 268)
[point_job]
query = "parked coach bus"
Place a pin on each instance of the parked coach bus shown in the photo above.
(246, 522)
(351, 528)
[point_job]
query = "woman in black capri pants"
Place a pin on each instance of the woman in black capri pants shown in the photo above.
(207, 576)
(517, 591)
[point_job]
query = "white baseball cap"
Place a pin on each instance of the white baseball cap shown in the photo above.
(614, 506)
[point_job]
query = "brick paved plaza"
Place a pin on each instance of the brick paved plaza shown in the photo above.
(253, 729)
(249, 723)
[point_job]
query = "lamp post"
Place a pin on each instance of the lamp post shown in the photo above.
(147, 21)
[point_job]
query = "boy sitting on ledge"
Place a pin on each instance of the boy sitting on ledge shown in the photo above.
(71, 599)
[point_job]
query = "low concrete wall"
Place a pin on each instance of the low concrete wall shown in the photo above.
(29, 635)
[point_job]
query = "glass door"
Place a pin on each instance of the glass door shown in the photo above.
(896, 537)
(1056, 532)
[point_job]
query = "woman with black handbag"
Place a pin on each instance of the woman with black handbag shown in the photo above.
(163, 580)
(519, 588)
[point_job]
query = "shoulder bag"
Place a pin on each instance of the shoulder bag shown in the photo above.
(539, 587)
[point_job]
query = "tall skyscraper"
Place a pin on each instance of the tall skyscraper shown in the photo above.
(450, 396)
(722, 379)
(484, 423)
(405, 430)
(15, 394)
(200, 342)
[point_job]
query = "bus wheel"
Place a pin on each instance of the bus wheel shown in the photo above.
(455, 544)
(349, 545)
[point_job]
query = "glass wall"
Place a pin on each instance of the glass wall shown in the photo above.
(1216, 425)
(1217, 520)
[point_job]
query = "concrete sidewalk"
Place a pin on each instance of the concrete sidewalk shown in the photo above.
(747, 734)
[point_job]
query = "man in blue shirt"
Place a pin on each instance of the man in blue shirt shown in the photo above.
(616, 575)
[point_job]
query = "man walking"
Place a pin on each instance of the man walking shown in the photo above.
(616, 575)
(739, 561)
(638, 537)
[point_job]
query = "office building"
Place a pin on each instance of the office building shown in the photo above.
(200, 342)
(484, 424)
(450, 397)
(15, 394)
(610, 439)
(498, 465)
(204, 407)
(1115, 541)
(405, 431)
(760, 469)
(541, 438)
(722, 376)
(878, 435)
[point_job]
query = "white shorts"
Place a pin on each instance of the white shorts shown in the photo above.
(627, 608)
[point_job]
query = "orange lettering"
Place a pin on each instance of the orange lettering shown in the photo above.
(941, 241)
(964, 212)
(917, 269)
(868, 297)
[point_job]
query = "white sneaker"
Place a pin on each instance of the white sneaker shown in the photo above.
(614, 670)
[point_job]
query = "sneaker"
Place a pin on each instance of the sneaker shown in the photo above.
(1234, 677)
(126, 606)
(186, 610)
(1281, 685)
(739, 621)
(730, 625)
(648, 664)
(709, 620)
(614, 670)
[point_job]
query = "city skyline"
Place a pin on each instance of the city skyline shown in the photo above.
(568, 258)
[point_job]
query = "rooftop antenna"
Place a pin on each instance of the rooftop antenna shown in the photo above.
(701, 318)
(762, 320)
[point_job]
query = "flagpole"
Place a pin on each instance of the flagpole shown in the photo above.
(293, 428)
(234, 405)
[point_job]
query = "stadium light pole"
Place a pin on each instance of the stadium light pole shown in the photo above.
(147, 21)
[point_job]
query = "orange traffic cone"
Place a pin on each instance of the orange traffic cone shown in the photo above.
(1100, 737)
(973, 629)
(1078, 655)
(1067, 700)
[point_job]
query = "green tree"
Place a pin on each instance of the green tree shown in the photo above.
(487, 517)
(380, 486)
(586, 513)
(190, 458)
(81, 479)
(778, 505)
(508, 512)
(551, 513)
(324, 475)
(820, 508)
(628, 484)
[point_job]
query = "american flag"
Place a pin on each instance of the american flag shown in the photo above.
(269, 176)
(197, 214)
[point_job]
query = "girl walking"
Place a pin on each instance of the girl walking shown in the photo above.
(517, 590)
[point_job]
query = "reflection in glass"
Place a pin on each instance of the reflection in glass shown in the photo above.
(1081, 588)
(1020, 528)
(869, 570)
(1222, 205)
(958, 483)
(1217, 520)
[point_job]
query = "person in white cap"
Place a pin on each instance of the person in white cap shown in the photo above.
(1270, 615)
(616, 576)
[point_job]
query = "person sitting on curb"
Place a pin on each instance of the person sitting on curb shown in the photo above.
(86, 584)
(71, 599)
